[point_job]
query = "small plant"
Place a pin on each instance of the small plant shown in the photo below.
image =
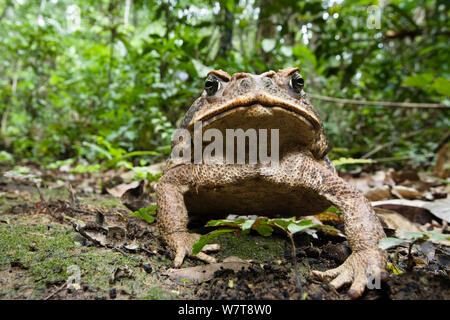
(409, 238)
(115, 157)
(264, 227)
(146, 213)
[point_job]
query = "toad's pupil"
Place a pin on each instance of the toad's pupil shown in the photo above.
(211, 86)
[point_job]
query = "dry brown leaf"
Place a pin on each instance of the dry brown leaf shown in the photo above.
(120, 189)
(378, 193)
(137, 197)
(406, 192)
(328, 216)
(439, 208)
(394, 220)
(441, 169)
(206, 272)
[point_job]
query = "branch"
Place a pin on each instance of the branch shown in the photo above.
(380, 103)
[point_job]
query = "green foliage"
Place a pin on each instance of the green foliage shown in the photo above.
(145, 213)
(409, 239)
(263, 226)
(6, 157)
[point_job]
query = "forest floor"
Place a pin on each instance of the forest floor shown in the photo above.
(80, 242)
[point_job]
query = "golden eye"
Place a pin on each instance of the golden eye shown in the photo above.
(297, 82)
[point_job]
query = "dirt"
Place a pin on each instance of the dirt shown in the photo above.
(42, 256)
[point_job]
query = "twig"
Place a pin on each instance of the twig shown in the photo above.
(56, 291)
(80, 210)
(380, 103)
(41, 196)
(72, 196)
(127, 256)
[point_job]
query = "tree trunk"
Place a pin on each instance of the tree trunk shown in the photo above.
(226, 32)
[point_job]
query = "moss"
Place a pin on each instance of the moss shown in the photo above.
(47, 252)
(102, 200)
(157, 293)
(252, 246)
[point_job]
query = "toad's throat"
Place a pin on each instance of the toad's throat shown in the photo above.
(263, 101)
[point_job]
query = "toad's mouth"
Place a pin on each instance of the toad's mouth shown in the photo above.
(257, 106)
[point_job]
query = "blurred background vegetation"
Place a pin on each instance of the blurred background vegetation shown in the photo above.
(95, 81)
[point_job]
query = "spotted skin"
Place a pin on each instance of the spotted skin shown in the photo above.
(304, 182)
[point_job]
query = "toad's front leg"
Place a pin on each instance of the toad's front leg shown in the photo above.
(173, 217)
(362, 227)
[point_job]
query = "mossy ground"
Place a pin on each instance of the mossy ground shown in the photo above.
(37, 254)
(37, 257)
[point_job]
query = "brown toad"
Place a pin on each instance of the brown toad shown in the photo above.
(303, 182)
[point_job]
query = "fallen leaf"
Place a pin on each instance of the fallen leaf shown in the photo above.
(393, 220)
(136, 198)
(439, 208)
(120, 189)
(206, 272)
(378, 193)
(406, 192)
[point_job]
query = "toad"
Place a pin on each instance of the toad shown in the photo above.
(302, 182)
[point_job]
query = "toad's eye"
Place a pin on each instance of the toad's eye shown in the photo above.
(297, 82)
(212, 85)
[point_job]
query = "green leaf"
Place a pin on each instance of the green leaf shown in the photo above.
(283, 223)
(204, 239)
(419, 80)
(406, 237)
(414, 236)
(247, 224)
(217, 223)
(441, 86)
(344, 161)
(98, 149)
(294, 228)
(263, 229)
(387, 243)
(146, 213)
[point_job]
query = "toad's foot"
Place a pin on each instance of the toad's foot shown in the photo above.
(183, 242)
(361, 269)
